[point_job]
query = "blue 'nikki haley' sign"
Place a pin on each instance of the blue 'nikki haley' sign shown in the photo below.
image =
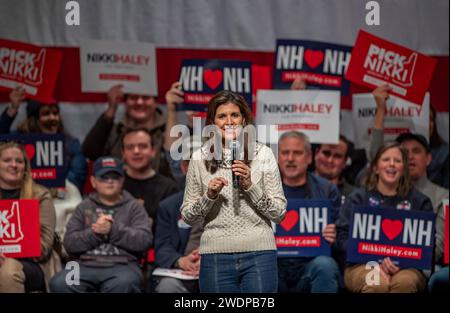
(300, 233)
(320, 64)
(406, 237)
(46, 154)
(202, 79)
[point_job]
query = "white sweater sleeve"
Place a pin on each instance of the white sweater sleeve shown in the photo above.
(270, 202)
(196, 203)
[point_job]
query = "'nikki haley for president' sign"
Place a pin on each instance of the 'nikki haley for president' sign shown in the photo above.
(47, 156)
(407, 237)
(201, 79)
(320, 64)
(300, 233)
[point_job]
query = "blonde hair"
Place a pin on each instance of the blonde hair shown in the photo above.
(371, 179)
(26, 188)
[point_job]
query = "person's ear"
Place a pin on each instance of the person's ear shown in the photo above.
(93, 182)
(429, 159)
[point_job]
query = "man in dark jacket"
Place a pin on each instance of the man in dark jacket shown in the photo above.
(319, 274)
(330, 162)
(107, 234)
(141, 111)
(176, 243)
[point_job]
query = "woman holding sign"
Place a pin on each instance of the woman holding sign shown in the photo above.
(24, 274)
(387, 185)
(236, 198)
(45, 118)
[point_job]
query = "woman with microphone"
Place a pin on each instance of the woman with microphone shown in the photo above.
(237, 247)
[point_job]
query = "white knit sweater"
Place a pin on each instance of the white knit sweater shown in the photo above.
(237, 220)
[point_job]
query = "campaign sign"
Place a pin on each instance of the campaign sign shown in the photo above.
(313, 112)
(401, 117)
(406, 237)
(32, 67)
(300, 233)
(108, 63)
(46, 154)
(20, 228)
(261, 79)
(201, 79)
(446, 247)
(319, 63)
(376, 61)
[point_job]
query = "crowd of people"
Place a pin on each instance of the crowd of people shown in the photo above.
(217, 236)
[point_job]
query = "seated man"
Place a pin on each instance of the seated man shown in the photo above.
(107, 234)
(315, 274)
(330, 162)
(141, 180)
(176, 243)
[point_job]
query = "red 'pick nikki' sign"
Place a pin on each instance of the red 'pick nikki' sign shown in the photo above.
(34, 68)
(376, 61)
(20, 228)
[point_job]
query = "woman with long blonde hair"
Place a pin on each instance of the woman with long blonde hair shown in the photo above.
(16, 182)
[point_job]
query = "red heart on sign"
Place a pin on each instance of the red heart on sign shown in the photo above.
(290, 220)
(213, 78)
(30, 150)
(313, 58)
(391, 228)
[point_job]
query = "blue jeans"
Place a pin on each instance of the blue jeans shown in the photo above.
(317, 275)
(439, 281)
(115, 279)
(247, 272)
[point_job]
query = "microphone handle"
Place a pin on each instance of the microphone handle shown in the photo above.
(234, 156)
(235, 180)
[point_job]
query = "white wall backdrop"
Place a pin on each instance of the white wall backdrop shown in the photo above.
(236, 24)
(232, 24)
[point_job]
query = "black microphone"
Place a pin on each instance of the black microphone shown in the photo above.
(235, 155)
